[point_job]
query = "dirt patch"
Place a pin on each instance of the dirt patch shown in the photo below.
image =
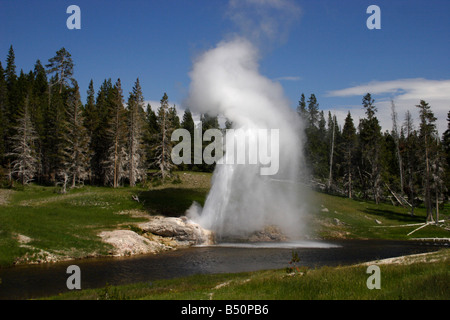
(428, 257)
(38, 256)
(134, 213)
(22, 239)
(5, 195)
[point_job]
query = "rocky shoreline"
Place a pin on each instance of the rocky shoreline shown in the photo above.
(156, 235)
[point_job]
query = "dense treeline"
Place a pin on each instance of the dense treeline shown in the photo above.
(48, 135)
(408, 165)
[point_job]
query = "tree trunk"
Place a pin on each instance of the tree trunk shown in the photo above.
(400, 164)
(437, 207)
(427, 185)
(350, 185)
(115, 163)
(331, 158)
(132, 151)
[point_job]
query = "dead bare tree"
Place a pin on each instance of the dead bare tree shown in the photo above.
(396, 136)
(25, 163)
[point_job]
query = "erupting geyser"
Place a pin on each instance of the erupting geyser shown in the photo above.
(226, 81)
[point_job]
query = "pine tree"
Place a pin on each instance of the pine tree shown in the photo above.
(427, 134)
(173, 118)
(11, 85)
(39, 107)
(136, 161)
(150, 136)
(301, 109)
(24, 165)
(396, 136)
(62, 66)
(369, 106)
(349, 146)
(389, 164)
(91, 121)
(99, 122)
(320, 146)
(208, 122)
(3, 115)
(54, 128)
(446, 147)
(332, 133)
(115, 163)
(188, 124)
(163, 149)
(90, 114)
(77, 157)
(61, 69)
(313, 111)
(437, 168)
(370, 143)
(12, 103)
(410, 159)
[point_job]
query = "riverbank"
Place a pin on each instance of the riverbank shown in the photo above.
(38, 225)
(417, 277)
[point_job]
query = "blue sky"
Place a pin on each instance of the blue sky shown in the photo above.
(326, 49)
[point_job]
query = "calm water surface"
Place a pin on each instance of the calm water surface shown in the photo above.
(34, 281)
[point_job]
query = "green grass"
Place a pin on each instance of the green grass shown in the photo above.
(68, 224)
(419, 280)
(61, 224)
(356, 219)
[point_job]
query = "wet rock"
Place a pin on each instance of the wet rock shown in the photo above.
(268, 234)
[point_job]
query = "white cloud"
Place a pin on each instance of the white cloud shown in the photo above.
(406, 94)
(153, 104)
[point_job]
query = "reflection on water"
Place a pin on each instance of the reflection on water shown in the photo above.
(279, 245)
(22, 282)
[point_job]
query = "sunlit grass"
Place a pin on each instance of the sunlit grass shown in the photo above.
(68, 224)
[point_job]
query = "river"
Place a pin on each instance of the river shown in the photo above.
(34, 281)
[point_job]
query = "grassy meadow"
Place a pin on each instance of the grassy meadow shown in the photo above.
(38, 224)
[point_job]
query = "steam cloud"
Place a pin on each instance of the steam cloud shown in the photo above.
(226, 81)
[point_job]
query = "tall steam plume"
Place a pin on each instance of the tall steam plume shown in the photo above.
(226, 81)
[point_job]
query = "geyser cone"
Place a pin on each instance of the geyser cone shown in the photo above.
(226, 81)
